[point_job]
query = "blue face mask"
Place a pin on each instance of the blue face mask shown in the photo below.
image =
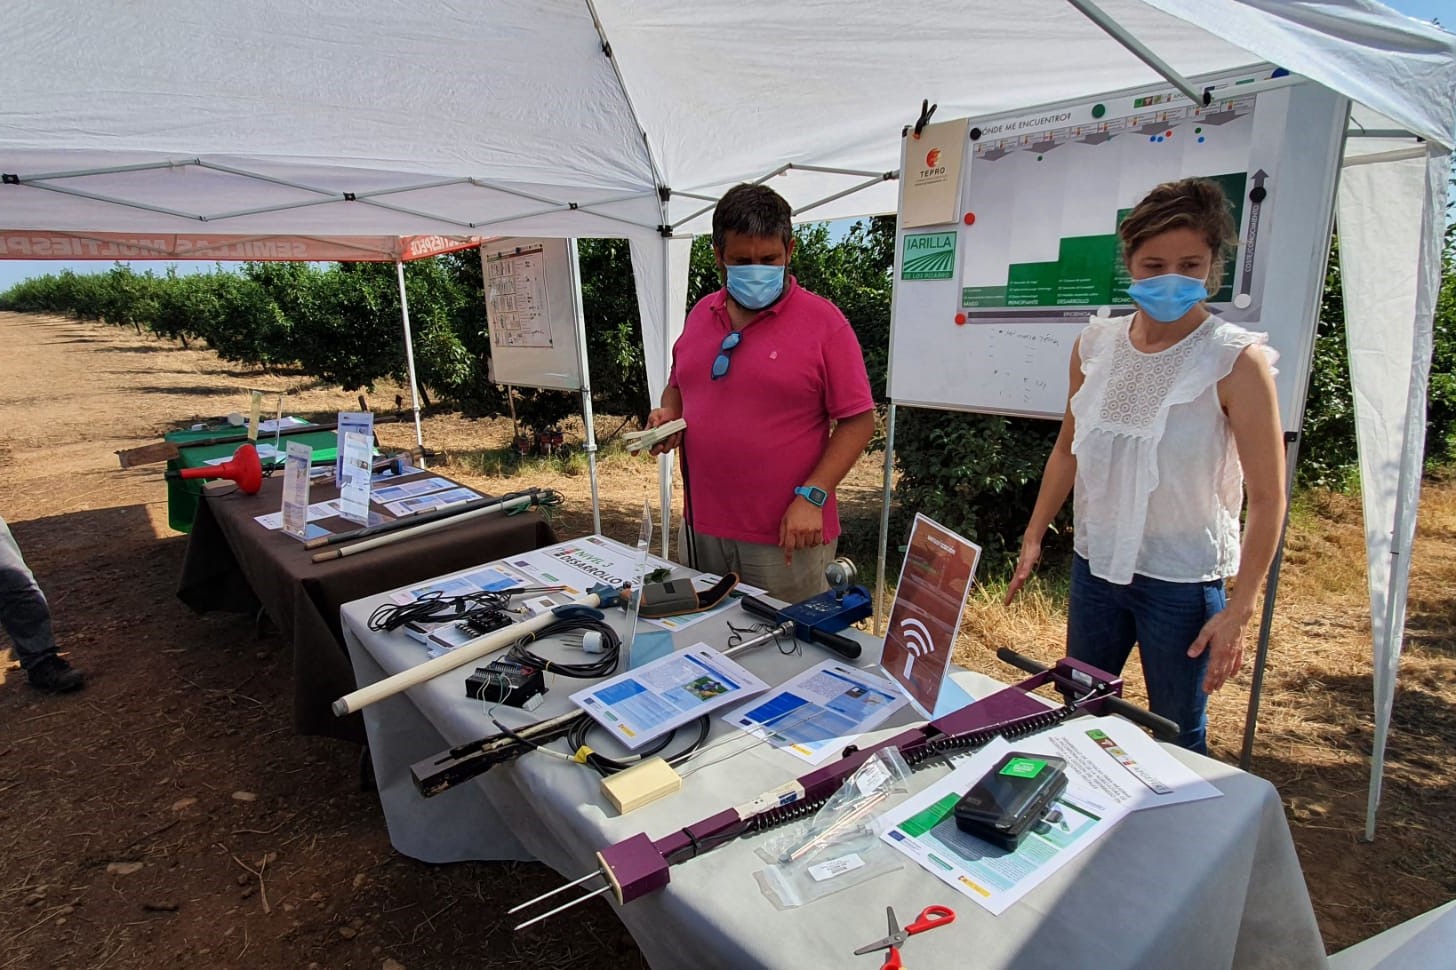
(1166, 298)
(755, 287)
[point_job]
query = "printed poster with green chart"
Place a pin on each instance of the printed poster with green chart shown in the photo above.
(1046, 196)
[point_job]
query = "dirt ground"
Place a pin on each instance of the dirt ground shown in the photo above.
(168, 814)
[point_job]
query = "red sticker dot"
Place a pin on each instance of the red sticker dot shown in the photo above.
(960, 319)
(970, 218)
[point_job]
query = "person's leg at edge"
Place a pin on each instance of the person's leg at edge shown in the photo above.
(1100, 628)
(1169, 618)
(26, 618)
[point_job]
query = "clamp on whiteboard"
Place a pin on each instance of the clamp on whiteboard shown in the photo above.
(926, 110)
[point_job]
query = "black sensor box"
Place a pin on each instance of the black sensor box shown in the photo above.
(1011, 798)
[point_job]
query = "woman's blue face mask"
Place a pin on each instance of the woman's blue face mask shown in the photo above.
(1168, 297)
(756, 286)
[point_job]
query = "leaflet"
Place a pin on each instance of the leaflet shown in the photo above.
(584, 563)
(354, 478)
(1113, 769)
(434, 500)
(819, 712)
(649, 701)
(411, 489)
(318, 510)
(1120, 762)
(923, 827)
(483, 579)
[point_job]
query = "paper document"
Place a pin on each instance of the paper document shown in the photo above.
(411, 489)
(318, 510)
(1113, 769)
(924, 828)
(582, 564)
(276, 424)
(651, 700)
(819, 712)
(481, 579)
(434, 500)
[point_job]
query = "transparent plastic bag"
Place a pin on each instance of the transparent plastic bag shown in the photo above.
(839, 847)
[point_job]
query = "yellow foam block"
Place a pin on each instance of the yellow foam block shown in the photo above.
(641, 784)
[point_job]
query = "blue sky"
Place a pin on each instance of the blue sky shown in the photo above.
(13, 271)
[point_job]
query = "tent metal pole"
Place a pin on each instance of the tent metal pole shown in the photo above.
(1266, 618)
(1135, 47)
(884, 177)
(664, 461)
(827, 170)
(588, 421)
(885, 519)
(409, 358)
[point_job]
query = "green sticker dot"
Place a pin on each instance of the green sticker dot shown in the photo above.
(1098, 110)
(1198, 131)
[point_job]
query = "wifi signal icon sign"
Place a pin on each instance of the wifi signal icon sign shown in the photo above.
(917, 641)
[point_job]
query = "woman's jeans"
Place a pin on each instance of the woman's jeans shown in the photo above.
(1105, 619)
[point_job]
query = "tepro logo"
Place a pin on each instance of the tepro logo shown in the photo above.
(933, 170)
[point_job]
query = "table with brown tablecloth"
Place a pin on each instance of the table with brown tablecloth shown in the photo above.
(234, 564)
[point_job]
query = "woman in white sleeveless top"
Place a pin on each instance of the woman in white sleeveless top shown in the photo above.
(1171, 416)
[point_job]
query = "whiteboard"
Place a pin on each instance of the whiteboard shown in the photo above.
(533, 311)
(985, 310)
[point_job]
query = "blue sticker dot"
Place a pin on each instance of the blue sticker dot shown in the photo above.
(1200, 139)
(1152, 138)
(1160, 138)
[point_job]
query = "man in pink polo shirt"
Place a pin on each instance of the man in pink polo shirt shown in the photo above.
(772, 384)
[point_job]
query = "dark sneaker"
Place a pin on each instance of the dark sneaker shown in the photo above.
(54, 676)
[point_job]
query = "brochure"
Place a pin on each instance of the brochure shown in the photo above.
(821, 711)
(651, 700)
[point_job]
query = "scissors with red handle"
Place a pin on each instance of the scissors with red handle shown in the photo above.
(930, 917)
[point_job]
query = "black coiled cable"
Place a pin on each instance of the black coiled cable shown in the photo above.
(603, 666)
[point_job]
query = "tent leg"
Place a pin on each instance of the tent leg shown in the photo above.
(409, 359)
(885, 518)
(588, 420)
(1266, 619)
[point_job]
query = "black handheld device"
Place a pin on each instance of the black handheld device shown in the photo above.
(1011, 798)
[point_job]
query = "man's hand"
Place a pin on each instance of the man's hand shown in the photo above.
(1030, 556)
(1223, 638)
(661, 416)
(802, 527)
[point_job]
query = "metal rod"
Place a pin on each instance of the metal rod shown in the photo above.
(784, 629)
(1135, 47)
(594, 874)
(875, 180)
(564, 907)
(409, 359)
(885, 517)
(423, 528)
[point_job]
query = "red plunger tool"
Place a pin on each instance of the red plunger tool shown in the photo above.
(243, 468)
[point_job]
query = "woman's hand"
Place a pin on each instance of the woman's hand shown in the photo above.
(1223, 637)
(1030, 556)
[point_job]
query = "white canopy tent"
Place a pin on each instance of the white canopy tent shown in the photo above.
(627, 118)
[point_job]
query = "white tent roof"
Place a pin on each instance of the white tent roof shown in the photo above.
(497, 117)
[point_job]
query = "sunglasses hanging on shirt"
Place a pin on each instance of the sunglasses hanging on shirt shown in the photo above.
(721, 362)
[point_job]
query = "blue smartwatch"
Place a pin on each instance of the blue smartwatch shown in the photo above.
(814, 494)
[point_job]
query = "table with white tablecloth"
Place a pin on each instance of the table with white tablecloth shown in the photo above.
(1213, 883)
